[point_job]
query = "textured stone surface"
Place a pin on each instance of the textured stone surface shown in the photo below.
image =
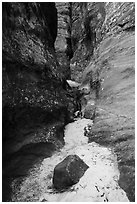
(35, 101)
(63, 40)
(113, 70)
(102, 37)
(89, 111)
(86, 33)
(68, 172)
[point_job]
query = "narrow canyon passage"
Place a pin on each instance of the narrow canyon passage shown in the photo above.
(68, 90)
(99, 183)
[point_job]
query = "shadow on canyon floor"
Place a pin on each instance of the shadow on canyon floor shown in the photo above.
(17, 165)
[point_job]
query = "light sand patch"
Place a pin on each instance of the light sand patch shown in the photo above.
(99, 183)
(74, 133)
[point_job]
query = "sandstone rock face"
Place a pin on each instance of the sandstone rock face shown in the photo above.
(79, 28)
(112, 71)
(96, 41)
(35, 102)
(68, 172)
(86, 33)
(63, 40)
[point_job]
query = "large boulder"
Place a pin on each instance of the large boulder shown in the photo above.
(68, 172)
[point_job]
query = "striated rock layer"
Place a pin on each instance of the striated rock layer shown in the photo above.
(35, 102)
(110, 74)
(87, 20)
(97, 38)
(63, 45)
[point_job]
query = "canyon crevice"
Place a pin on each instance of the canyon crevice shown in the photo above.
(44, 47)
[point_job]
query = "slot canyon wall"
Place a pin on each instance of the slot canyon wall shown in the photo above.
(44, 44)
(106, 62)
(103, 58)
(36, 104)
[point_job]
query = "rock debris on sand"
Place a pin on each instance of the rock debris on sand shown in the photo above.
(74, 133)
(98, 184)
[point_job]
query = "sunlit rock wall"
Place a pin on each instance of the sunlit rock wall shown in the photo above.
(87, 20)
(112, 72)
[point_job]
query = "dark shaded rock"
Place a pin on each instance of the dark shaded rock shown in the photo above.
(89, 112)
(49, 11)
(29, 129)
(17, 165)
(127, 171)
(33, 92)
(68, 172)
(36, 104)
